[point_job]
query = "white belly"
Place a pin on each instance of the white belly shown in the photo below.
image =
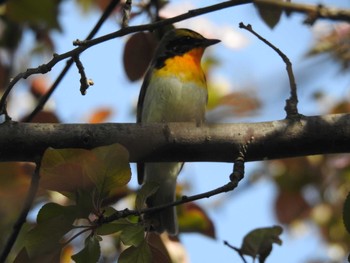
(169, 100)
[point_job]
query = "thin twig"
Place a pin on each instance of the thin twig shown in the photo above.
(126, 13)
(64, 71)
(237, 250)
(23, 215)
(291, 103)
(84, 82)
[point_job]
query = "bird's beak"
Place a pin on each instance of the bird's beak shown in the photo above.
(209, 42)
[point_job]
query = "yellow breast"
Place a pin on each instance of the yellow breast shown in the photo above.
(186, 67)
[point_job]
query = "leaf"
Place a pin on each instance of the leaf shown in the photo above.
(38, 13)
(53, 222)
(65, 170)
(138, 53)
(52, 210)
(53, 257)
(113, 170)
(270, 15)
(46, 236)
(192, 218)
(140, 254)
(100, 115)
(290, 206)
(108, 229)
(259, 242)
(346, 213)
(147, 189)
(133, 235)
(91, 252)
(158, 249)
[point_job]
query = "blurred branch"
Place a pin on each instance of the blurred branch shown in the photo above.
(109, 9)
(313, 12)
(183, 141)
(291, 103)
(23, 215)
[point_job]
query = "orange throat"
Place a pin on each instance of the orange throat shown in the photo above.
(186, 67)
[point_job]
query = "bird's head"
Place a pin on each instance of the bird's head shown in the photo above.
(177, 42)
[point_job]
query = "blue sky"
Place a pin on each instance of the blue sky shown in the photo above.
(253, 65)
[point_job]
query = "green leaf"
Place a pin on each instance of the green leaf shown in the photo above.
(346, 213)
(53, 222)
(116, 226)
(147, 189)
(133, 235)
(113, 170)
(53, 257)
(270, 15)
(91, 252)
(52, 210)
(140, 254)
(46, 237)
(65, 170)
(108, 229)
(39, 13)
(259, 242)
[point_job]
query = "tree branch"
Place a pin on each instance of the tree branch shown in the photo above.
(292, 102)
(314, 12)
(183, 141)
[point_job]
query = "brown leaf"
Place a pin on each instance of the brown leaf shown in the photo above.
(270, 15)
(192, 218)
(240, 103)
(38, 86)
(44, 117)
(290, 206)
(138, 53)
(158, 249)
(100, 115)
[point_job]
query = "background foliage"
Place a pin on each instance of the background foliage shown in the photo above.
(310, 191)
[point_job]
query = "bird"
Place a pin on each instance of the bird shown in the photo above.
(174, 90)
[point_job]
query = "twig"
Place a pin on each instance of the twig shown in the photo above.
(126, 13)
(64, 71)
(84, 82)
(23, 215)
(291, 103)
(237, 250)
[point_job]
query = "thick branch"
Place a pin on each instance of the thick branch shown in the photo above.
(183, 141)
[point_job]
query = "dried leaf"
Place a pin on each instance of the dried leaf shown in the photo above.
(192, 218)
(258, 242)
(138, 53)
(270, 15)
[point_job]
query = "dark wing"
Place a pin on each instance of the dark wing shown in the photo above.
(141, 166)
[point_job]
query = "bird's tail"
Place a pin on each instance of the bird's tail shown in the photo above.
(166, 219)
